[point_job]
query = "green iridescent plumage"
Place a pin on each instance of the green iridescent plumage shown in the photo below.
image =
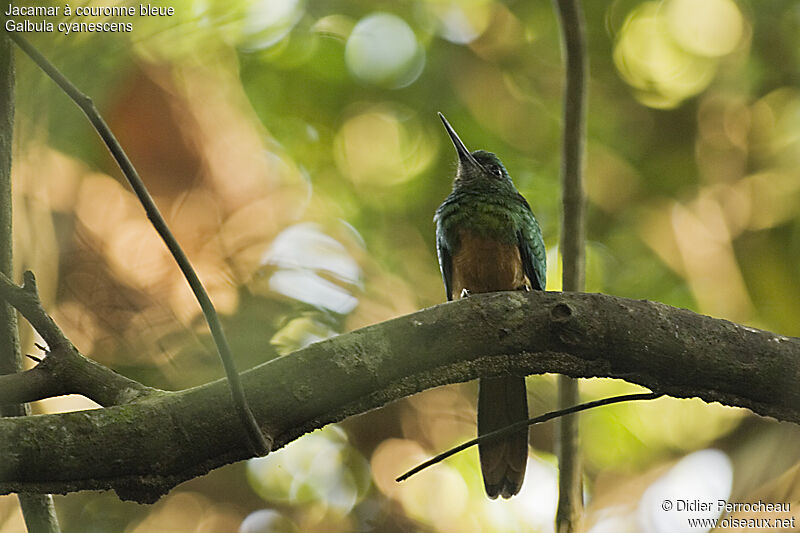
(488, 239)
(485, 201)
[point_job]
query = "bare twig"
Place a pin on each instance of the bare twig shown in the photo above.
(570, 493)
(256, 438)
(25, 299)
(63, 370)
(519, 426)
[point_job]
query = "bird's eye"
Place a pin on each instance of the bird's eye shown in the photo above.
(496, 170)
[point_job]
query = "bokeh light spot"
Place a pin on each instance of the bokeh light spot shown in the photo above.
(706, 476)
(383, 50)
(267, 521)
(461, 22)
(321, 467)
(310, 266)
(650, 60)
(383, 145)
(710, 28)
(267, 22)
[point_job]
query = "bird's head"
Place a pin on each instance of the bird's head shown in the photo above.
(478, 167)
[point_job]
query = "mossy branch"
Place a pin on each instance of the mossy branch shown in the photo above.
(143, 449)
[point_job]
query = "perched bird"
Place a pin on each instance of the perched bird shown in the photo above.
(488, 239)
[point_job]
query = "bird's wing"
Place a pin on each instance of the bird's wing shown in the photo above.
(445, 265)
(531, 248)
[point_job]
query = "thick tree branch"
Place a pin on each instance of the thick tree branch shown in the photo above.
(145, 448)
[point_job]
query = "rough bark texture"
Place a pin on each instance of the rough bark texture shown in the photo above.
(145, 448)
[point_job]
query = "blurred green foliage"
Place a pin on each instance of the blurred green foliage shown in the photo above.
(295, 150)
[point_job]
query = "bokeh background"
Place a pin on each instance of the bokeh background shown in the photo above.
(294, 148)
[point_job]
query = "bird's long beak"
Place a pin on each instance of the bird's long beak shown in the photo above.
(464, 156)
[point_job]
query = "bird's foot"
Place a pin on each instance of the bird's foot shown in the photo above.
(464, 293)
(524, 287)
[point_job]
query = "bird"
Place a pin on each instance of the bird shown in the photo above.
(487, 240)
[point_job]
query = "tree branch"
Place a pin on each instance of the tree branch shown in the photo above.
(258, 442)
(64, 370)
(143, 449)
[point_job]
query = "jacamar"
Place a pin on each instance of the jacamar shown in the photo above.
(488, 239)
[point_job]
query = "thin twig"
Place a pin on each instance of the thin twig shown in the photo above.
(25, 299)
(256, 438)
(518, 426)
(570, 493)
(63, 370)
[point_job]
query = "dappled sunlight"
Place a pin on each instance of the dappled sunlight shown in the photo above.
(137, 254)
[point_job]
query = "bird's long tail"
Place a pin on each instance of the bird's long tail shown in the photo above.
(501, 402)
